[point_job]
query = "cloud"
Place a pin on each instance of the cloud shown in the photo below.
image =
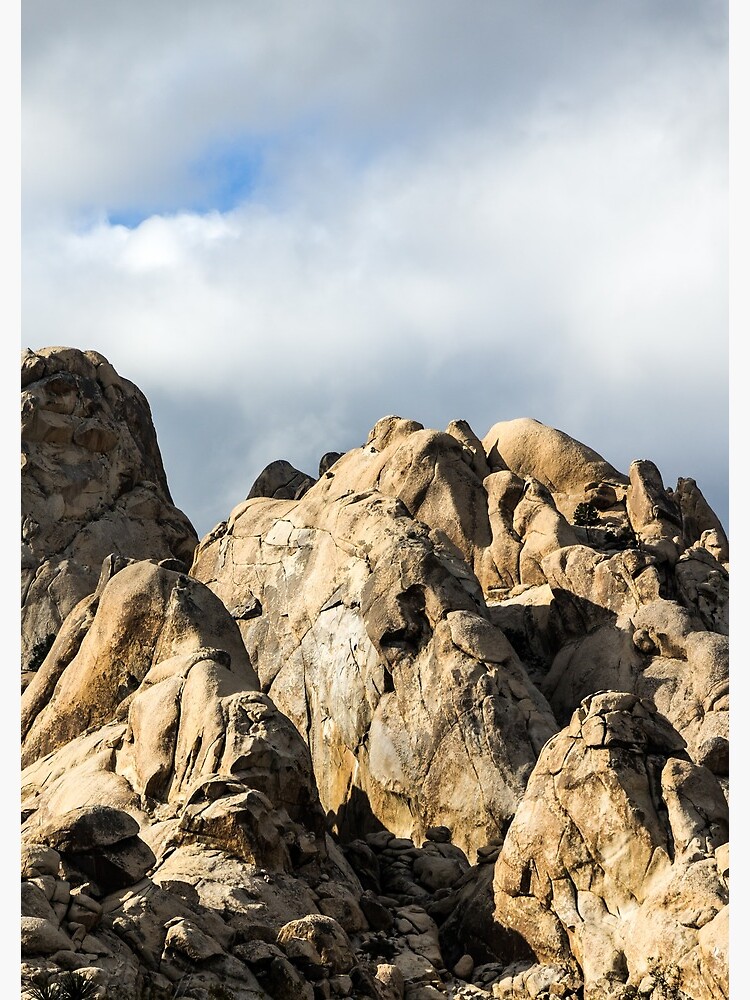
(118, 101)
(522, 212)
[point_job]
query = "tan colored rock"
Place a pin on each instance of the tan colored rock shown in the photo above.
(166, 610)
(698, 520)
(703, 585)
(374, 641)
(392, 979)
(598, 868)
(241, 824)
(42, 936)
(542, 530)
(390, 633)
(654, 513)
(38, 859)
(602, 586)
(92, 483)
(34, 902)
(566, 467)
(328, 940)
(461, 431)
(194, 715)
(655, 648)
(504, 492)
(183, 936)
(197, 770)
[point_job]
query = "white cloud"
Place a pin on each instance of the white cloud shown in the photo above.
(622, 241)
(508, 215)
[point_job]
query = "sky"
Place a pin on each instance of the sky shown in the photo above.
(286, 220)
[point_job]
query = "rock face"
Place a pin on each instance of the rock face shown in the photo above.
(92, 483)
(611, 862)
(450, 720)
(371, 633)
(383, 600)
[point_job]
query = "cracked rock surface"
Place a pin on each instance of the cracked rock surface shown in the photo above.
(450, 720)
(92, 484)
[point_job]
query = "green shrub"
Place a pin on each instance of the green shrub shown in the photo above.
(69, 986)
(39, 651)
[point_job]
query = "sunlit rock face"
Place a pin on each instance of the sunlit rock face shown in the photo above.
(452, 718)
(388, 610)
(369, 629)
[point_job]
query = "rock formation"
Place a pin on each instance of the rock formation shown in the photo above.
(92, 484)
(450, 720)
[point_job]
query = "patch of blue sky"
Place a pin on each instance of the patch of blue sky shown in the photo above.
(223, 176)
(228, 173)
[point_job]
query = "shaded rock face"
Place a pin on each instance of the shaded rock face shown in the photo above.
(449, 720)
(281, 481)
(92, 483)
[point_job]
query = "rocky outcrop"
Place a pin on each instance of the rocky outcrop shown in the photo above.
(614, 862)
(179, 775)
(450, 720)
(368, 606)
(371, 633)
(92, 484)
(172, 836)
(281, 481)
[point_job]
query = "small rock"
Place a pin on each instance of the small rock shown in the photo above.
(464, 967)
(341, 985)
(42, 937)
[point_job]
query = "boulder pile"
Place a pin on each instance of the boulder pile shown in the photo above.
(450, 720)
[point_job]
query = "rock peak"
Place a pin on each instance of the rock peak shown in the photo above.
(450, 719)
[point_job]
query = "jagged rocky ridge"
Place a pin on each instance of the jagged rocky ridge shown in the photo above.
(451, 719)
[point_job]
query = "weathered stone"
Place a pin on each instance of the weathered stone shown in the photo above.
(438, 834)
(464, 967)
(582, 888)
(184, 937)
(42, 936)
(34, 902)
(409, 613)
(92, 484)
(367, 653)
(653, 513)
(324, 936)
(38, 858)
(437, 873)
(392, 979)
(378, 917)
(565, 466)
(281, 481)
(339, 903)
(87, 828)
